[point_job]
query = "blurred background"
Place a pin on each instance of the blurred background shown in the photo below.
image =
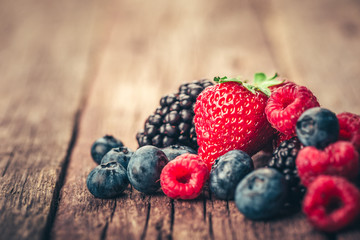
(126, 54)
(145, 49)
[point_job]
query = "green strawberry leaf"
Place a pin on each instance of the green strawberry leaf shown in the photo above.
(259, 78)
(275, 76)
(225, 79)
(261, 82)
(249, 87)
(265, 90)
(219, 79)
(271, 83)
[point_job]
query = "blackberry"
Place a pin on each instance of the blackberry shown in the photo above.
(172, 122)
(283, 160)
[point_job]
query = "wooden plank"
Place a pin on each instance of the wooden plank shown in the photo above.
(43, 67)
(151, 48)
(120, 80)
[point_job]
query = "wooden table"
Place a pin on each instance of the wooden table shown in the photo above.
(73, 71)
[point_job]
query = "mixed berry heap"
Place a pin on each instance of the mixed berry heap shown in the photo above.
(172, 122)
(316, 151)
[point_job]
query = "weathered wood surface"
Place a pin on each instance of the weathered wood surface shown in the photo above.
(43, 71)
(72, 71)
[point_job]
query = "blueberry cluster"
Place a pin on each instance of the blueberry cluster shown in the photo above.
(258, 194)
(283, 160)
(172, 122)
(120, 165)
(109, 179)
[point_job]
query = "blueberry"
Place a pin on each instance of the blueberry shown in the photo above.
(173, 151)
(121, 154)
(261, 194)
(227, 172)
(107, 180)
(145, 167)
(103, 145)
(317, 127)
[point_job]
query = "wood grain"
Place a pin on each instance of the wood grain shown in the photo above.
(143, 72)
(73, 71)
(43, 67)
(316, 43)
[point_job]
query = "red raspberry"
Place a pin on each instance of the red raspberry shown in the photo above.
(285, 106)
(350, 128)
(339, 158)
(284, 82)
(184, 177)
(331, 203)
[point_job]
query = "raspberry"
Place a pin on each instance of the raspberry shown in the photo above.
(340, 158)
(350, 128)
(285, 106)
(284, 82)
(184, 177)
(331, 203)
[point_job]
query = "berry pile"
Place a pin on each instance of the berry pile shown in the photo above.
(198, 136)
(172, 122)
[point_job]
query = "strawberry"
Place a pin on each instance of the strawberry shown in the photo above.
(231, 115)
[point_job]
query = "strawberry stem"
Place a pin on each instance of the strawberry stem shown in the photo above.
(261, 82)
